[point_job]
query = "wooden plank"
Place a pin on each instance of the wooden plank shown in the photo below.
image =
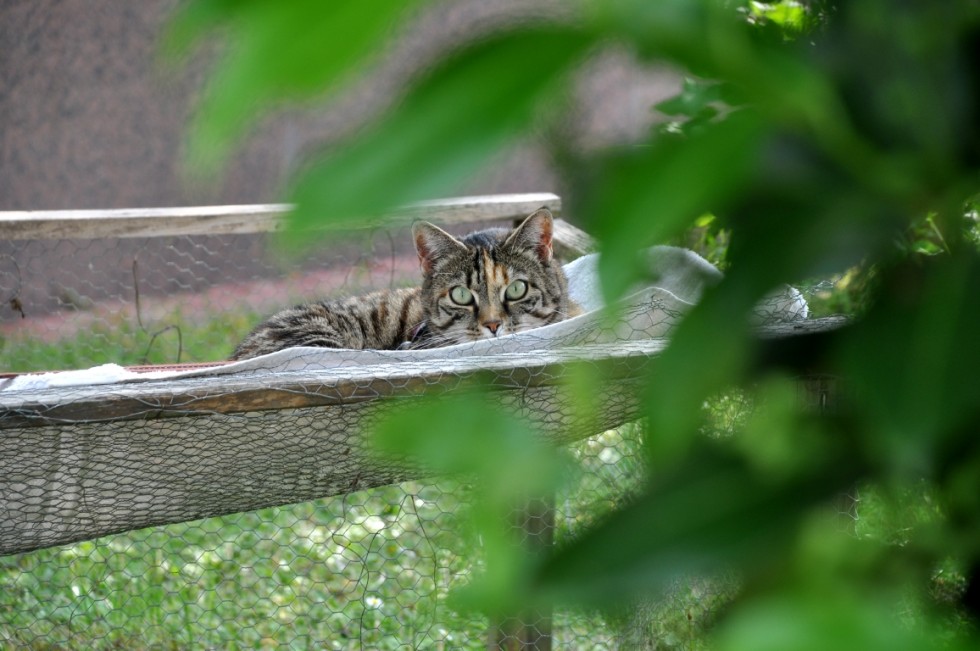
(463, 210)
(571, 241)
(239, 393)
(140, 222)
(220, 220)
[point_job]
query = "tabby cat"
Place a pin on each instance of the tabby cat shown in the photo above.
(488, 284)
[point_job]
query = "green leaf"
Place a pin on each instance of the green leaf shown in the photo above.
(467, 433)
(694, 97)
(709, 353)
(839, 620)
(648, 195)
(710, 512)
(913, 361)
(445, 130)
(712, 40)
(502, 454)
(277, 50)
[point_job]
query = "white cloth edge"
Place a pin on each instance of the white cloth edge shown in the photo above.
(681, 276)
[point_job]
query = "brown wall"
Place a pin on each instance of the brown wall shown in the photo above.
(89, 118)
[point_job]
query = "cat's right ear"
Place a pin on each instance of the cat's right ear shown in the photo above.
(433, 243)
(534, 234)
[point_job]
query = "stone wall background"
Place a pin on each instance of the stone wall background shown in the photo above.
(91, 118)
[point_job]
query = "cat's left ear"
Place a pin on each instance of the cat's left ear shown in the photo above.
(432, 243)
(534, 234)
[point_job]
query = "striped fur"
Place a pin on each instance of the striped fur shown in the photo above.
(487, 284)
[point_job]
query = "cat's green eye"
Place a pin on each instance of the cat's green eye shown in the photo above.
(516, 290)
(460, 295)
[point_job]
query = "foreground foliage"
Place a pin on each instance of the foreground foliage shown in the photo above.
(821, 137)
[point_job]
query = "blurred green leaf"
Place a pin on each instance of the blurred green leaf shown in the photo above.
(694, 97)
(914, 359)
(467, 433)
(713, 40)
(841, 621)
(888, 55)
(776, 237)
(292, 49)
(650, 194)
(444, 131)
(507, 459)
(707, 355)
(708, 513)
(776, 437)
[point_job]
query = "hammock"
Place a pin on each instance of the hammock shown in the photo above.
(88, 453)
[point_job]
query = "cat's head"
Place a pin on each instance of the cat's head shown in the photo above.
(490, 283)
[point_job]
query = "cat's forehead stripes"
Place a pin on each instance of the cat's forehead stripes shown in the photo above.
(498, 276)
(487, 276)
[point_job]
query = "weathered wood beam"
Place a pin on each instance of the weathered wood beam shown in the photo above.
(571, 241)
(223, 220)
(239, 393)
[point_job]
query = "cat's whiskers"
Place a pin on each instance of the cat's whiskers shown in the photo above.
(435, 341)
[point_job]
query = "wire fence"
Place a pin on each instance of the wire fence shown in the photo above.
(76, 303)
(371, 567)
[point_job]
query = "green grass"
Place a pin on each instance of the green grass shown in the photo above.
(369, 570)
(175, 338)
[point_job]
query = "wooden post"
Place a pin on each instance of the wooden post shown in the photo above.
(529, 630)
(821, 394)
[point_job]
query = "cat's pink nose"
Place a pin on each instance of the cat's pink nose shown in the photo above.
(492, 326)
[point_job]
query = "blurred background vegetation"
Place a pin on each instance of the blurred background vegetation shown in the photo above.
(812, 139)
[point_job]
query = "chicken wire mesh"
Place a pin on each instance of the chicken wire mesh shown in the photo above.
(368, 570)
(370, 567)
(166, 300)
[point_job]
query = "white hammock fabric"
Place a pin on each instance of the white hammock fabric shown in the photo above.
(648, 313)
